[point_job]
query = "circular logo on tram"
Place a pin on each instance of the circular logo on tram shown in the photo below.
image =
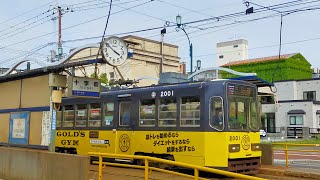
(245, 142)
(124, 142)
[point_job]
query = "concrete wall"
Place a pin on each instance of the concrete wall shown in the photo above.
(286, 90)
(23, 164)
(282, 118)
(230, 52)
(267, 154)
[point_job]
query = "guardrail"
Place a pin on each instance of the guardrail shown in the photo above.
(147, 168)
(286, 149)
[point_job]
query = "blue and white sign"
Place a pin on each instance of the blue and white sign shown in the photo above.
(81, 86)
(54, 119)
(19, 128)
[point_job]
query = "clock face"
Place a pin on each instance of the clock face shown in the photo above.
(114, 51)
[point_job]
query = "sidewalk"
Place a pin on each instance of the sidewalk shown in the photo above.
(290, 171)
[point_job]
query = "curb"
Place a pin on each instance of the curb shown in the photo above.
(279, 172)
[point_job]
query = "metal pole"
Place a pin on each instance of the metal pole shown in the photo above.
(161, 52)
(53, 120)
(146, 169)
(60, 32)
(191, 59)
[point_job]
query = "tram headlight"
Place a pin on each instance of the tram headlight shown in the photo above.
(255, 147)
(234, 147)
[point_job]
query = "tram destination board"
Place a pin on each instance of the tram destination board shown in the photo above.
(240, 90)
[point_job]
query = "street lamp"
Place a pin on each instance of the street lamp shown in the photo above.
(182, 26)
(198, 64)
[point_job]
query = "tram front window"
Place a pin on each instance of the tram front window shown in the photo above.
(242, 104)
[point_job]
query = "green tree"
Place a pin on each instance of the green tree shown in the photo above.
(103, 77)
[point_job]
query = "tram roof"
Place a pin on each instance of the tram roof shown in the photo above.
(254, 80)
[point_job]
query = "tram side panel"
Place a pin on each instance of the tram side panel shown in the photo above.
(184, 146)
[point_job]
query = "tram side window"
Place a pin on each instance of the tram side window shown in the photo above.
(81, 115)
(108, 114)
(147, 112)
(168, 112)
(68, 116)
(190, 111)
(125, 111)
(95, 115)
(216, 113)
(59, 116)
(254, 122)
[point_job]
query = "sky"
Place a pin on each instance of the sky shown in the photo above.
(29, 29)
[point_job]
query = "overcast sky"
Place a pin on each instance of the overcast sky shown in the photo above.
(27, 25)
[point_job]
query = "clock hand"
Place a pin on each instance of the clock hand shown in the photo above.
(112, 49)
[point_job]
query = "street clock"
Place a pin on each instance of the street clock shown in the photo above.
(114, 51)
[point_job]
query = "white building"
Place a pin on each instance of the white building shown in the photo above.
(231, 51)
(298, 108)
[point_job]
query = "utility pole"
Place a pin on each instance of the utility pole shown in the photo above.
(60, 11)
(60, 50)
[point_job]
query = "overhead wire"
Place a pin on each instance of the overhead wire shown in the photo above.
(85, 22)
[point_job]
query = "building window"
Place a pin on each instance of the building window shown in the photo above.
(235, 46)
(309, 95)
(221, 57)
(168, 112)
(111, 74)
(296, 120)
(147, 112)
(190, 111)
(267, 100)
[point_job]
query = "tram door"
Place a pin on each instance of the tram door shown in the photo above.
(124, 132)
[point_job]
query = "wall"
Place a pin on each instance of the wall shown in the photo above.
(4, 124)
(282, 118)
(308, 85)
(25, 164)
(10, 94)
(35, 92)
(231, 53)
(286, 90)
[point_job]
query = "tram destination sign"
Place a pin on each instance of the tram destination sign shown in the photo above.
(83, 87)
(240, 90)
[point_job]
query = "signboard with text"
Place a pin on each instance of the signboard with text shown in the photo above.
(82, 86)
(19, 128)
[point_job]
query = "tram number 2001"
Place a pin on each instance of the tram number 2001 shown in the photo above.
(234, 138)
(166, 93)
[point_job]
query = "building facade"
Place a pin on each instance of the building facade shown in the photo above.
(145, 63)
(297, 111)
(272, 68)
(231, 51)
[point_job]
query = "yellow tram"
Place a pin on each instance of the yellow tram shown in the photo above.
(213, 124)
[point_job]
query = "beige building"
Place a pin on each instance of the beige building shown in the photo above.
(144, 63)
